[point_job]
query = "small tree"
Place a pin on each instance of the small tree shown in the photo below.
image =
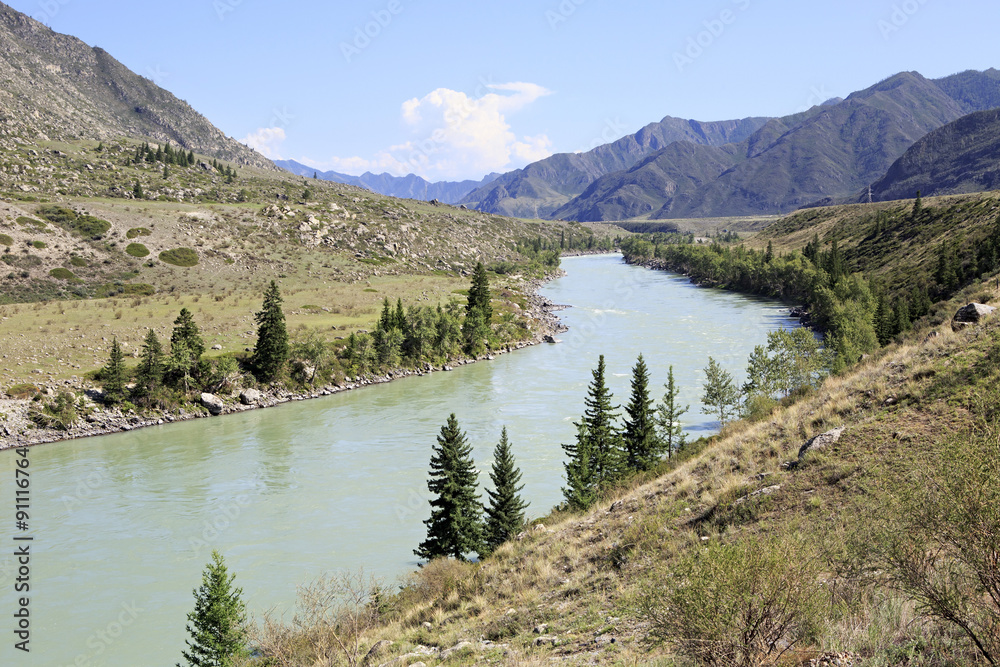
(137, 191)
(642, 446)
(455, 525)
(115, 375)
(603, 439)
(505, 514)
(149, 374)
(217, 624)
(271, 352)
(721, 397)
(580, 491)
(179, 364)
(475, 332)
(479, 294)
(186, 331)
(668, 414)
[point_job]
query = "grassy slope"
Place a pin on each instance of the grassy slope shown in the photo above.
(342, 252)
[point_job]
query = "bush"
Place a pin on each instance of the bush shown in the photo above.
(179, 257)
(60, 414)
(63, 274)
(735, 605)
(137, 250)
(39, 245)
(22, 391)
(6, 240)
(78, 261)
(85, 225)
(136, 232)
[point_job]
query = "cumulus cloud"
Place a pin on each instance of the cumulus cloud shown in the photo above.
(454, 135)
(267, 141)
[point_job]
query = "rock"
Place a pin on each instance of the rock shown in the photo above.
(766, 491)
(376, 651)
(550, 640)
(427, 625)
(251, 397)
(541, 629)
(549, 339)
(970, 314)
(820, 441)
(216, 347)
(448, 652)
(213, 403)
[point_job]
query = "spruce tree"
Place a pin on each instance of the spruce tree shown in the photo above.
(455, 525)
(642, 447)
(603, 439)
(721, 396)
(114, 375)
(580, 491)
(479, 294)
(149, 374)
(668, 414)
(505, 514)
(271, 352)
(137, 191)
(218, 623)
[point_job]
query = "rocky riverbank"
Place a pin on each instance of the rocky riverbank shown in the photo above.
(18, 430)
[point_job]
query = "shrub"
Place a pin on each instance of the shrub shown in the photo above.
(179, 257)
(31, 222)
(137, 250)
(136, 232)
(22, 391)
(85, 225)
(63, 274)
(6, 240)
(78, 261)
(734, 605)
(60, 414)
(40, 245)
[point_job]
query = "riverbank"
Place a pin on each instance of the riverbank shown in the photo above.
(17, 429)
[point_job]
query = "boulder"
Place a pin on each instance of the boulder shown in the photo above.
(377, 651)
(970, 314)
(251, 397)
(448, 652)
(766, 491)
(213, 403)
(820, 441)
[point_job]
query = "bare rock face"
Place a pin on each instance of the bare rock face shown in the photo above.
(251, 397)
(970, 314)
(213, 403)
(820, 441)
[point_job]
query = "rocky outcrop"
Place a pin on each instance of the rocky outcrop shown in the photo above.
(213, 403)
(251, 397)
(821, 441)
(970, 314)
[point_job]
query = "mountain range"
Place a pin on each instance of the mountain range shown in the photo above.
(680, 169)
(403, 187)
(57, 87)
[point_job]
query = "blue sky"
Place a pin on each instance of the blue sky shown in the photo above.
(454, 90)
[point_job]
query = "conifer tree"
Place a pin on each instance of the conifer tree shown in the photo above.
(271, 352)
(721, 397)
(479, 294)
(580, 491)
(642, 447)
(455, 525)
(505, 514)
(137, 191)
(668, 414)
(149, 374)
(474, 332)
(114, 375)
(218, 623)
(180, 363)
(186, 331)
(603, 439)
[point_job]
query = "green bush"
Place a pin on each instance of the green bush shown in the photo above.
(22, 391)
(78, 261)
(63, 274)
(40, 245)
(6, 240)
(37, 225)
(137, 231)
(738, 605)
(85, 225)
(179, 257)
(137, 250)
(60, 414)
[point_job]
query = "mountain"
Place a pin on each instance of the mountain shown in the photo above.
(57, 87)
(542, 187)
(410, 186)
(827, 152)
(963, 156)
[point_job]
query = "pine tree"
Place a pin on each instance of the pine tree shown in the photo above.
(217, 624)
(137, 191)
(918, 205)
(149, 374)
(180, 363)
(186, 331)
(642, 446)
(505, 514)
(580, 491)
(271, 352)
(474, 332)
(455, 525)
(721, 397)
(114, 375)
(603, 439)
(668, 414)
(479, 294)
(769, 253)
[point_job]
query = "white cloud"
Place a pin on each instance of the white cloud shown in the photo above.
(267, 141)
(456, 136)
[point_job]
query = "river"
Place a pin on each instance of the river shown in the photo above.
(123, 525)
